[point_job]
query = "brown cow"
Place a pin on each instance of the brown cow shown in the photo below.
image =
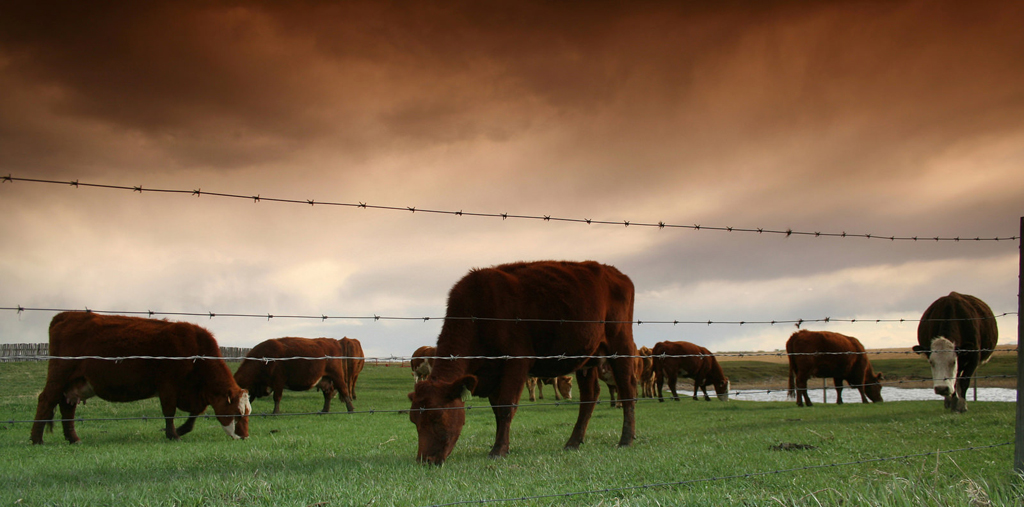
(278, 373)
(957, 333)
(525, 310)
(190, 385)
(422, 361)
(692, 361)
(825, 354)
(562, 386)
(647, 374)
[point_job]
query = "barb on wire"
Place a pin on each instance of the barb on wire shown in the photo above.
(787, 233)
(375, 317)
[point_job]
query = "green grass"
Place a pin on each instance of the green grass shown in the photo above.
(368, 459)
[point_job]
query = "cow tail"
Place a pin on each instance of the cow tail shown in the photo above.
(791, 392)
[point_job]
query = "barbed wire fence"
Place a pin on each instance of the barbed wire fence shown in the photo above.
(547, 218)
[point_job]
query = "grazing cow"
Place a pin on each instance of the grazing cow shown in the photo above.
(190, 385)
(957, 333)
(422, 361)
(672, 359)
(525, 310)
(278, 373)
(562, 386)
(825, 354)
(647, 374)
(605, 373)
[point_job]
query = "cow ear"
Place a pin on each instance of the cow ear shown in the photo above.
(464, 383)
(919, 349)
(410, 396)
(880, 376)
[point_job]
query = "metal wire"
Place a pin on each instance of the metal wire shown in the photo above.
(323, 317)
(504, 216)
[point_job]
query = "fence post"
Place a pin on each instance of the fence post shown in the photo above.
(1018, 440)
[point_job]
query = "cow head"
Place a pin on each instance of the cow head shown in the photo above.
(564, 386)
(233, 411)
(873, 387)
(942, 356)
(439, 414)
(722, 389)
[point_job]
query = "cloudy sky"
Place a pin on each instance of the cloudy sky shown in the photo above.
(884, 118)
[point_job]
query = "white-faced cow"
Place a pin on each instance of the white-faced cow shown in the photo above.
(187, 384)
(525, 310)
(957, 333)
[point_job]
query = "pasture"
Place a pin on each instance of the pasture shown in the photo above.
(720, 452)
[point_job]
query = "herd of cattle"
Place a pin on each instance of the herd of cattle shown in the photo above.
(506, 327)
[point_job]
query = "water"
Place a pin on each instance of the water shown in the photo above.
(888, 394)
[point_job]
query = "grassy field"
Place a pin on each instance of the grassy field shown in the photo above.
(715, 453)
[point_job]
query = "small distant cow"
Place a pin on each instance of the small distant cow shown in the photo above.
(270, 368)
(607, 375)
(957, 333)
(422, 361)
(647, 374)
(562, 386)
(675, 359)
(825, 354)
(526, 310)
(187, 384)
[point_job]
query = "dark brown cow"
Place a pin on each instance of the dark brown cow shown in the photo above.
(647, 374)
(562, 386)
(957, 333)
(190, 385)
(674, 359)
(422, 361)
(516, 310)
(825, 354)
(261, 377)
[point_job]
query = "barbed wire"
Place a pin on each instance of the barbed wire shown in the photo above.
(403, 359)
(505, 216)
(517, 320)
(721, 478)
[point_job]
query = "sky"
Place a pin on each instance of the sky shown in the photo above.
(882, 118)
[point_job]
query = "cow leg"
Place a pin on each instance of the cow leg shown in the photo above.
(703, 389)
(328, 391)
(47, 402)
(343, 392)
(278, 393)
(672, 384)
(659, 381)
(838, 382)
(801, 391)
(623, 370)
(67, 415)
(505, 401)
(531, 388)
(963, 383)
(189, 424)
(168, 405)
(589, 389)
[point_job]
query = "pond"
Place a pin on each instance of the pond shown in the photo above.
(888, 394)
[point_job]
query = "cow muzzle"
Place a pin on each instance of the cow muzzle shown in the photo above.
(942, 391)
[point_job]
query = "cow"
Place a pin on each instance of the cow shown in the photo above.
(422, 361)
(562, 386)
(646, 387)
(670, 359)
(825, 354)
(501, 325)
(269, 368)
(607, 375)
(78, 341)
(957, 333)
